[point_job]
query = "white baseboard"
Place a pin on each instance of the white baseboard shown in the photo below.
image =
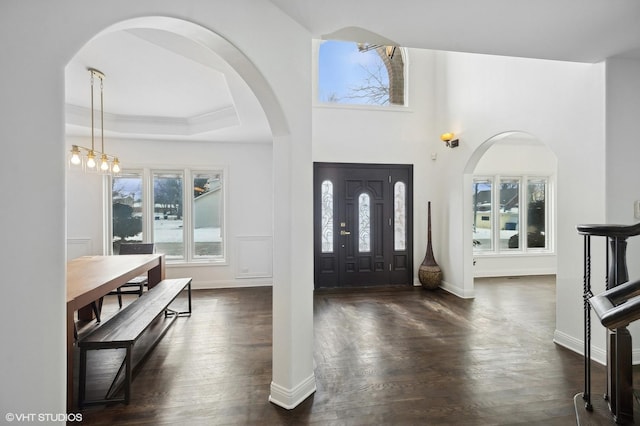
(598, 355)
(505, 272)
(458, 291)
(291, 398)
(207, 285)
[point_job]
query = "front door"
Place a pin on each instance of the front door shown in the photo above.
(362, 225)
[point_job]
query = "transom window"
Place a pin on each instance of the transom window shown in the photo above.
(362, 74)
(181, 211)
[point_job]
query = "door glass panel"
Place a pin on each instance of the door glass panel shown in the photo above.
(126, 196)
(509, 213)
(207, 214)
(327, 216)
(536, 213)
(364, 224)
(399, 216)
(168, 231)
(482, 223)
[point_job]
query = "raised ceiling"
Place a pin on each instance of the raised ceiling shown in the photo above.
(162, 86)
(159, 85)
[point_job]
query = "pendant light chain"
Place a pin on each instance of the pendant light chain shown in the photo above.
(107, 163)
(102, 112)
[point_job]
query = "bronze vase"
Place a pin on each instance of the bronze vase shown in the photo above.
(429, 273)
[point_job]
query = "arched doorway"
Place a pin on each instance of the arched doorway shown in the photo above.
(290, 385)
(509, 165)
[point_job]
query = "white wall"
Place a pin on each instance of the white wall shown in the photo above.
(623, 173)
(37, 43)
(559, 103)
(248, 201)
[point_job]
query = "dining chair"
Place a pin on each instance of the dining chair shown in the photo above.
(136, 285)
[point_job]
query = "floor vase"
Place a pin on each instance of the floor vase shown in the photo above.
(429, 273)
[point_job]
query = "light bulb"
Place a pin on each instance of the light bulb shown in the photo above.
(75, 155)
(104, 163)
(91, 160)
(116, 166)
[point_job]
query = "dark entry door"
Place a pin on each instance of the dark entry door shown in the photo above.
(362, 224)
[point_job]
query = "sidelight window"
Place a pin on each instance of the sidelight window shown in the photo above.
(399, 216)
(327, 216)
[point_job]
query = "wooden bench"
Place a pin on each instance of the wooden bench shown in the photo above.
(125, 328)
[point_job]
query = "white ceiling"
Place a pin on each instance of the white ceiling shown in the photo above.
(159, 85)
(162, 86)
(568, 30)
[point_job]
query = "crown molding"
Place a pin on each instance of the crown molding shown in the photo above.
(154, 125)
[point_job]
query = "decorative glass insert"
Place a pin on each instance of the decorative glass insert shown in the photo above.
(482, 215)
(168, 230)
(364, 223)
(327, 216)
(207, 214)
(536, 213)
(509, 213)
(399, 216)
(126, 200)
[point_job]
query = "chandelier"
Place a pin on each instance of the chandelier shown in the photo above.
(89, 159)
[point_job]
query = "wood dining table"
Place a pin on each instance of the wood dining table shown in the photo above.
(91, 277)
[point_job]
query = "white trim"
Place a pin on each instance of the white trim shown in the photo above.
(218, 284)
(517, 272)
(245, 252)
(458, 291)
(291, 398)
(576, 345)
(77, 247)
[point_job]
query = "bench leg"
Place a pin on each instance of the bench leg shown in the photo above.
(83, 377)
(127, 375)
(189, 293)
(170, 312)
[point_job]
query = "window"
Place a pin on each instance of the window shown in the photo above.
(399, 217)
(181, 211)
(168, 227)
(357, 73)
(498, 220)
(126, 204)
(482, 223)
(327, 216)
(207, 214)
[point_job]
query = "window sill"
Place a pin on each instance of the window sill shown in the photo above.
(514, 254)
(358, 107)
(195, 264)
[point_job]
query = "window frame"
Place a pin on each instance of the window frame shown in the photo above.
(523, 181)
(147, 175)
(316, 102)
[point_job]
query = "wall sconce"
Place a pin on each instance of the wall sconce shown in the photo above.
(448, 140)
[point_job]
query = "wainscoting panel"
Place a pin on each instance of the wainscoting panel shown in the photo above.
(77, 247)
(254, 257)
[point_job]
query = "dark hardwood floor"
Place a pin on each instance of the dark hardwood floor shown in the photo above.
(389, 356)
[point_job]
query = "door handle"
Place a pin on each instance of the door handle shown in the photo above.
(345, 233)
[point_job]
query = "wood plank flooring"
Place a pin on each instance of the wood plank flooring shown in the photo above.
(385, 356)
